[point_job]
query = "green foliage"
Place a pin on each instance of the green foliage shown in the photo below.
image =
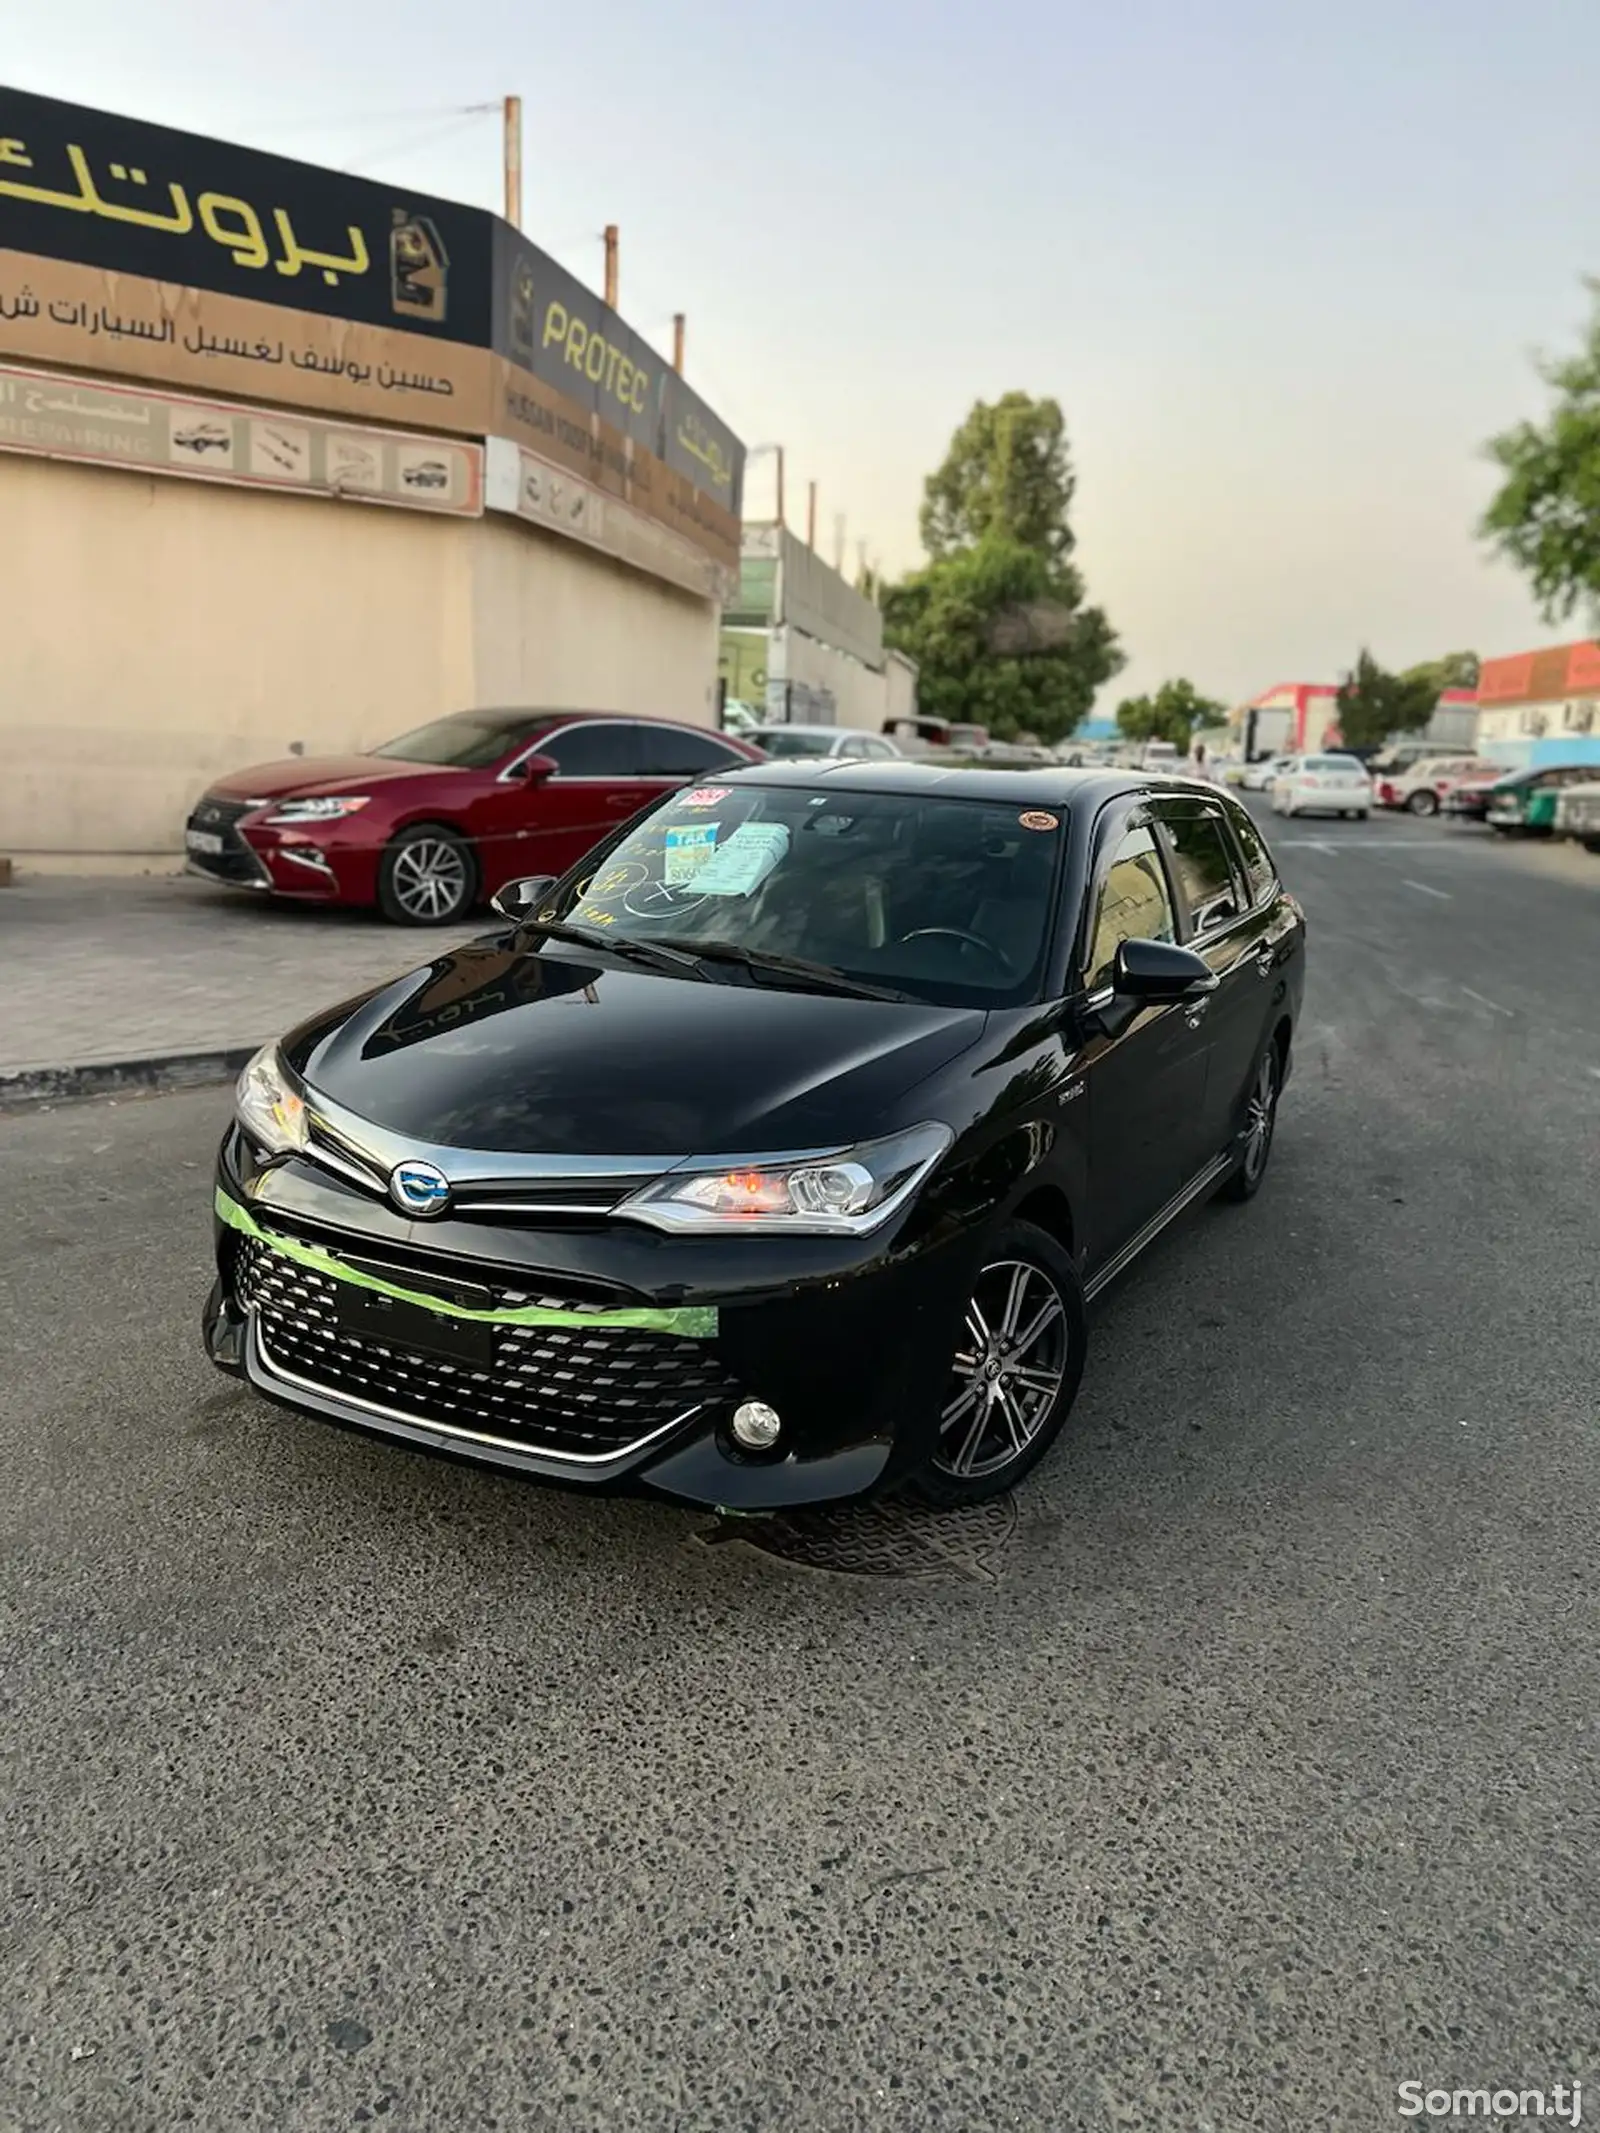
(1175, 713)
(1007, 472)
(1546, 515)
(1373, 704)
(997, 620)
(979, 624)
(1457, 670)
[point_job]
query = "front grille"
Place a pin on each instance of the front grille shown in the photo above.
(236, 861)
(565, 1390)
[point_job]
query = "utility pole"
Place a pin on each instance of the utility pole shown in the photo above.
(513, 160)
(677, 342)
(611, 265)
(811, 516)
(838, 542)
(781, 520)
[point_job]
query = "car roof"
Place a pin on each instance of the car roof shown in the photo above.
(535, 715)
(1050, 785)
(784, 725)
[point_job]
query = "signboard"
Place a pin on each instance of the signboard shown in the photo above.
(547, 493)
(142, 252)
(60, 417)
(549, 326)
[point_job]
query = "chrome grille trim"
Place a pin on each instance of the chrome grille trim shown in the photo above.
(586, 1397)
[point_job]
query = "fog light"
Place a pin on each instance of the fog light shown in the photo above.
(756, 1426)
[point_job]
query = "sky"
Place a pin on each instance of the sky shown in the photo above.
(1284, 266)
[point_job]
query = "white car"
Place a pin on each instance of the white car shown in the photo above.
(1258, 777)
(1420, 786)
(1323, 785)
(786, 743)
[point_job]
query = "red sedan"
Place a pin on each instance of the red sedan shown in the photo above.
(428, 825)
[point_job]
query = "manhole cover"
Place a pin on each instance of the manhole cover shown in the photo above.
(884, 1540)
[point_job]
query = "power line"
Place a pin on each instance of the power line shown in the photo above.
(343, 121)
(415, 141)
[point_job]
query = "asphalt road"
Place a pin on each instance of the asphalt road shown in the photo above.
(343, 1787)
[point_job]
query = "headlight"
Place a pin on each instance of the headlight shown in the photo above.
(846, 1193)
(269, 1110)
(322, 807)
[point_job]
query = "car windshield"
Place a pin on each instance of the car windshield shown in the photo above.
(783, 741)
(468, 740)
(946, 900)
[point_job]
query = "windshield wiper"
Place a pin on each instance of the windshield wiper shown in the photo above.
(821, 977)
(618, 944)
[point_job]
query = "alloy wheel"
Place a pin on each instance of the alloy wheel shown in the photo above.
(430, 878)
(1007, 1375)
(1260, 1115)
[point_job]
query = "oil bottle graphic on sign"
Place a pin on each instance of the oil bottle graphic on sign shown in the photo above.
(419, 268)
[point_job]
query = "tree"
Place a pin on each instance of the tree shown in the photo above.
(1006, 472)
(1373, 704)
(997, 620)
(1175, 713)
(1001, 640)
(1546, 516)
(1456, 670)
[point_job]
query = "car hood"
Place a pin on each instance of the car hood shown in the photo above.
(301, 775)
(550, 1053)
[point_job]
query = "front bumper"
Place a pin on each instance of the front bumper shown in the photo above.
(625, 1369)
(326, 862)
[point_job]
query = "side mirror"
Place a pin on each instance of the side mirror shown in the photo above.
(1156, 971)
(518, 899)
(534, 769)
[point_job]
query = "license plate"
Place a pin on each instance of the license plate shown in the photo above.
(202, 841)
(374, 1317)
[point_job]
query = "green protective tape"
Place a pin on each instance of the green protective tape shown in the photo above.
(694, 1324)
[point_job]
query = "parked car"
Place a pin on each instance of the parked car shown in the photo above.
(740, 718)
(883, 1073)
(1467, 799)
(1420, 787)
(1578, 814)
(789, 743)
(438, 820)
(1524, 804)
(1399, 756)
(1260, 775)
(1323, 785)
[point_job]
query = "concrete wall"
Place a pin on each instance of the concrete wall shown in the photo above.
(556, 624)
(860, 693)
(156, 633)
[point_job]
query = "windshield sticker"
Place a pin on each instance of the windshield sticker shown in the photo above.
(687, 851)
(744, 862)
(704, 796)
(1037, 819)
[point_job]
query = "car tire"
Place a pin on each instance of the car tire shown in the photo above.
(427, 877)
(1029, 1287)
(1260, 1127)
(1425, 801)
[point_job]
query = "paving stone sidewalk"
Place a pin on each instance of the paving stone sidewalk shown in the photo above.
(96, 970)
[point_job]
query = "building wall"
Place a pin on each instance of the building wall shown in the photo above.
(860, 693)
(156, 633)
(554, 623)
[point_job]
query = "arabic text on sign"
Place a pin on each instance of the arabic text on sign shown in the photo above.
(233, 224)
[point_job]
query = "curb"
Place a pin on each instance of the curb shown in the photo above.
(27, 1088)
